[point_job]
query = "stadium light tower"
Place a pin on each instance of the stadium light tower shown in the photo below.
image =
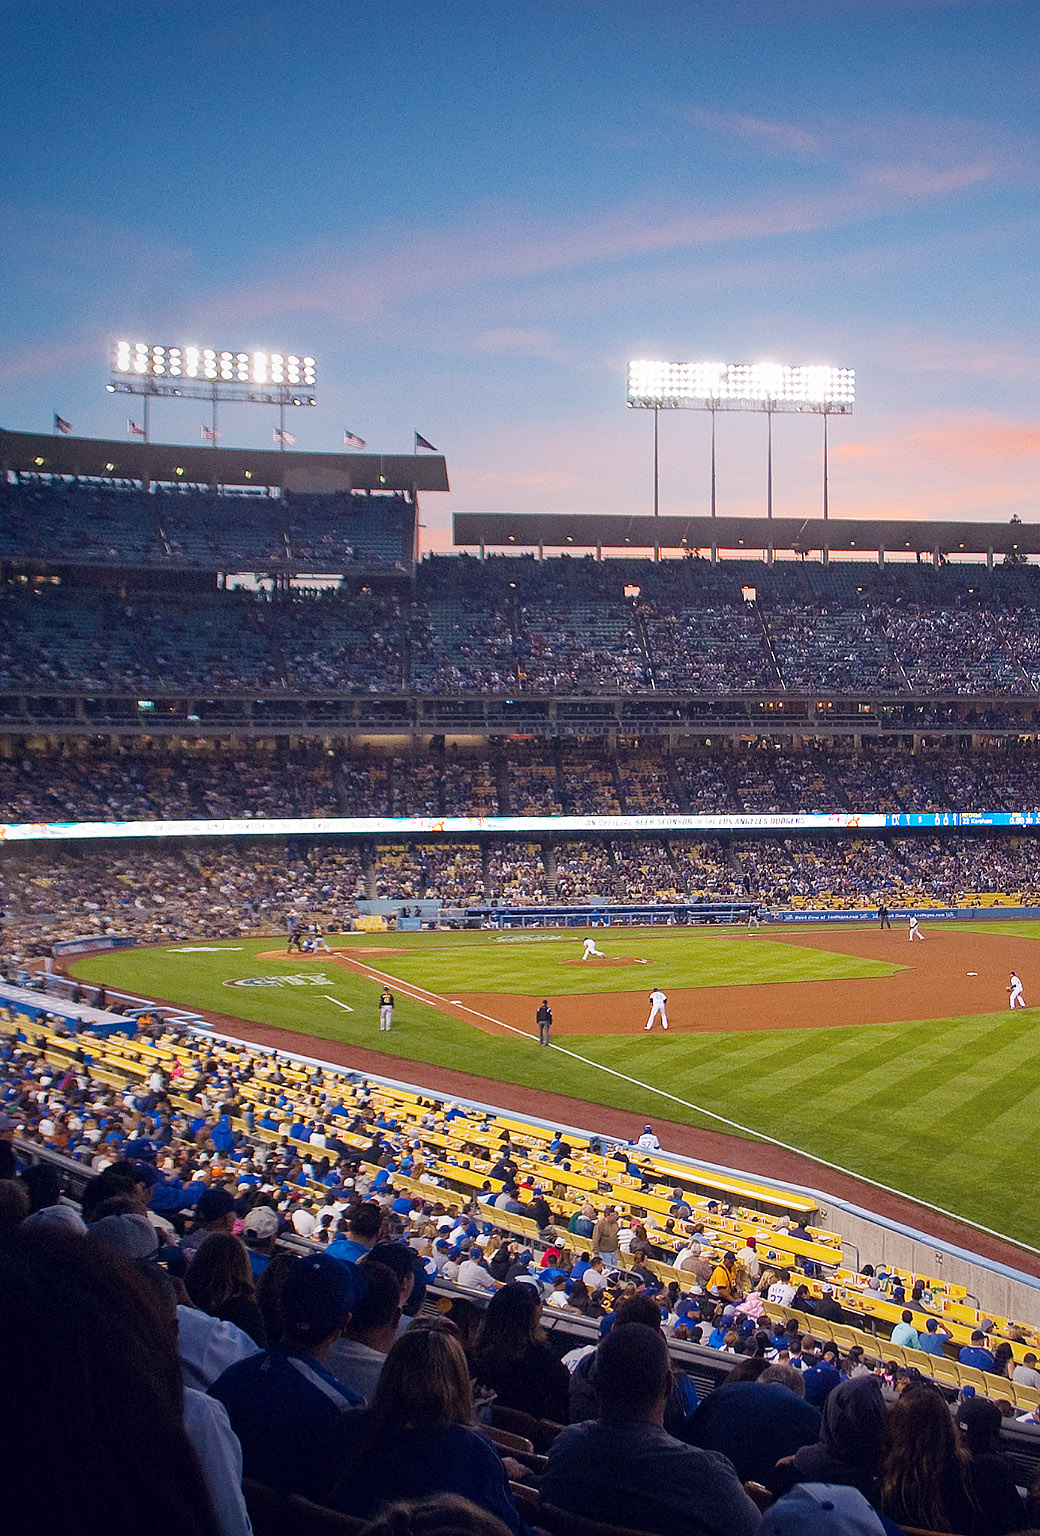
(283, 379)
(816, 390)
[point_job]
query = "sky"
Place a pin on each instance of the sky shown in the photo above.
(473, 216)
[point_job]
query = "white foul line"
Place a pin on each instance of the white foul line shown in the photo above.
(940, 1210)
(345, 1006)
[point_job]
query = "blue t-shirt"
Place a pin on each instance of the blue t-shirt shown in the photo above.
(282, 1406)
(977, 1357)
(931, 1343)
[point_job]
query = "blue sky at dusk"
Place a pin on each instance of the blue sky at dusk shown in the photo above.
(474, 215)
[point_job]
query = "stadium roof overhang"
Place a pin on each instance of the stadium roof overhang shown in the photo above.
(40, 454)
(559, 530)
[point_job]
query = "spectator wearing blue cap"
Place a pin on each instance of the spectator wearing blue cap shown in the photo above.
(283, 1401)
(215, 1212)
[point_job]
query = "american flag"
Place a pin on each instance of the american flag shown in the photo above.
(209, 434)
(132, 429)
(351, 440)
(285, 438)
(63, 426)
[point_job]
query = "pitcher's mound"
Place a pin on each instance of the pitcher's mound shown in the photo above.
(603, 961)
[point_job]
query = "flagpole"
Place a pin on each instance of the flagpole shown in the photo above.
(281, 420)
(146, 416)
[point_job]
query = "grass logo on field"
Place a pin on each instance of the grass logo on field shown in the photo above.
(309, 979)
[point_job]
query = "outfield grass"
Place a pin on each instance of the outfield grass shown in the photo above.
(946, 1110)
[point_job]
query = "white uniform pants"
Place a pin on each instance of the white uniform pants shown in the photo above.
(657, 1011)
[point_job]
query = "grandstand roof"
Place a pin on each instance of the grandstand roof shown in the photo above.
(40, 453)
(867, 535)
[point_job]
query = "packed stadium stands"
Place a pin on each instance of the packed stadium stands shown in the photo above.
(179, 654)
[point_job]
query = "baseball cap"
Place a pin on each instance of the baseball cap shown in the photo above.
(821, 1509)
(131, 1236)
(319, 1294)
(58, 1217)
(261, 1222)
(214, 1203)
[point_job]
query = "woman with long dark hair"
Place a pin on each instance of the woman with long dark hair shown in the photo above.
(418, 1437)
(513, 1359)
(219, 1281)
(926, 1475)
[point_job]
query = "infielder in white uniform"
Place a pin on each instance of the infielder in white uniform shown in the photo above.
(913, 932)
(657, 1002)
(589, 949)
(1015, 998)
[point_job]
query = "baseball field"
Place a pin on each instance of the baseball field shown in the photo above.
(900, 1063)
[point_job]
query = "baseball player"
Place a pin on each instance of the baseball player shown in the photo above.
(1015, 998)
(912, 931)
(318, 941)
(386, 1008)
(657, 1009)
(589, 949)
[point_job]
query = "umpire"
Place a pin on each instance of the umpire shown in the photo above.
(543, 1019)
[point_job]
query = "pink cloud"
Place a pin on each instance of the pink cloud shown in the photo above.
(781, 135)
(914, 179)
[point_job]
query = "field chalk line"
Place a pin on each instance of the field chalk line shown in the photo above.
(345, 1006)
(747, 1130)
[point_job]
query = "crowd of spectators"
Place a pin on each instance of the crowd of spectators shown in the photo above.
(174, 1321)
(221, 888)
(91, 781)
(503, 625)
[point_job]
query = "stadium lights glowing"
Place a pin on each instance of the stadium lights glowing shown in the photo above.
(741, 386)
(143, 360)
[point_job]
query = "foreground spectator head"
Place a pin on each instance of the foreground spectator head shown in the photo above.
(923, 1463)
(979, 1422)
(633, 1374)
(445, 1515)
(14, 1204)
(218, 1272)
(377, 1310)
(43, 1186)
(260, 1228)
(408, 1267)
(425, 1383)
(79, 1328)
(788, 1376)
(511, 1322)
(317, 1299)
(130, 1236)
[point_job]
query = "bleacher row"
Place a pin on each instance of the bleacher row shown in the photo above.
(43, 522)
(729, 1207)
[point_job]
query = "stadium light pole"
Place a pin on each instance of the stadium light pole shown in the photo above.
(815, 389)
(282, 379)
(657, 464)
